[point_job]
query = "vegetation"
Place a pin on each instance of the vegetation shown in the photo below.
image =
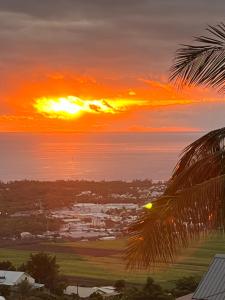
(43, 268)
(23, 291)
(150, 291)
(4, 290)
(33, 195)
(120, 285)
(185, 286)
(13, 226)
(89, 262)
(193, 204)
(202, 63)
(7, 265)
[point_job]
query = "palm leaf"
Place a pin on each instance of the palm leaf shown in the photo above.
(202, 160)
(192, 205)
(159, 234)
(203, 63)
(194, 201)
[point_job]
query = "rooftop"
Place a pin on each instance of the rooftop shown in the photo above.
(9, 277)
(212, 285)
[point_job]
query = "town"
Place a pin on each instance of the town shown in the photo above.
(90, 214)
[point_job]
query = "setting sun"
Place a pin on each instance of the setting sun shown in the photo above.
(71, 107)
(63, 107)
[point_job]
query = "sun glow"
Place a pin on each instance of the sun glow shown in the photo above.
(148, 205)
(71, 107)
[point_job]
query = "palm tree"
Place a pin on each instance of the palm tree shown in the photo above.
(193, 204)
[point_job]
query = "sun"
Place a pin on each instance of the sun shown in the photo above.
(71, 107)
(62, 107)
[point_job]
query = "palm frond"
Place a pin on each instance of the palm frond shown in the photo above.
(160, 233)
(192, 205)
(203, 63)
(200, 161)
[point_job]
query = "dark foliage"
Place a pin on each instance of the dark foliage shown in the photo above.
(32, 195)
(185, 285)
(120, 285)
(44, 269)
(192, 206)
(150, 291)
(13, 226)
(4, 291)
(203, 63)
(96, 296)
(7, 266)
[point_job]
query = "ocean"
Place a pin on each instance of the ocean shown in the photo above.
(90, 156)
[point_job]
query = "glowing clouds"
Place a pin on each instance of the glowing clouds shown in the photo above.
(71, 107)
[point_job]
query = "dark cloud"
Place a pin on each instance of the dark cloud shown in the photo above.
(124, 36)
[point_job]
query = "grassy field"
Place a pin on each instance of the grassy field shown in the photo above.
(102, 260)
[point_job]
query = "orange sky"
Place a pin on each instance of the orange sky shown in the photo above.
(115, 52)
(128, 102)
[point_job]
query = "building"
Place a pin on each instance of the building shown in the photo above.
(212, 285)
(85, 292)
(26, 235)
(186, 297)
(12, 278)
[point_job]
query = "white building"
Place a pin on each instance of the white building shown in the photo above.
(12, 278)
(26, 235)
(85, 292)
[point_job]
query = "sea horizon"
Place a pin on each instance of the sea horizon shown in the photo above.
(96, 156)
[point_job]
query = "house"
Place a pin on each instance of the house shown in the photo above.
(186, 297)
(85, 292)
(107, 291)
(212, 285)
(12, 278)
(26, 235)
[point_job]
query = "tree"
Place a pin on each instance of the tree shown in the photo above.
(7, 265)
(202, 63)
(185, 285)
(44, 269)
(154, 291)
(59, 286)
(96, 296)
(4, 290)
(150, 291)
(23, 290)
(193, 203)
(120, 285)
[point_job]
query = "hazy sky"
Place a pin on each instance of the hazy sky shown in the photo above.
(103, 49)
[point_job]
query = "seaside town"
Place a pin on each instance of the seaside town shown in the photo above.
(93, 219)
(112, 164)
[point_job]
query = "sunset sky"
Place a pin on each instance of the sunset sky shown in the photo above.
(102, 65)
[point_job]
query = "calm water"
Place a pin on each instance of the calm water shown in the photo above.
(124, 156)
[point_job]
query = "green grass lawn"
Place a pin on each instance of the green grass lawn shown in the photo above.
(193, 261)
(113, 244)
